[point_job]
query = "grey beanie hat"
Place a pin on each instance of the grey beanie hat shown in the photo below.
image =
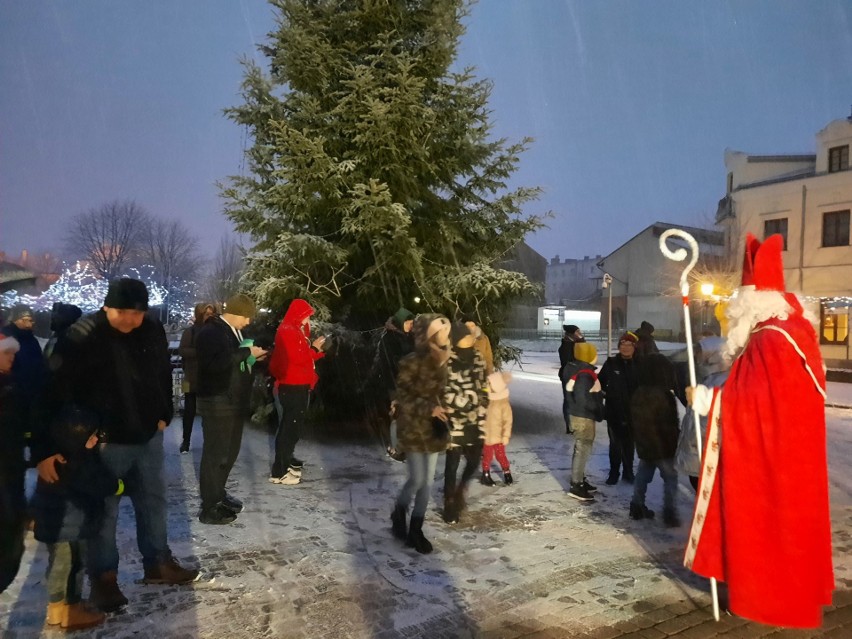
(20, 311)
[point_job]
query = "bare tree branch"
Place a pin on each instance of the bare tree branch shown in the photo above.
(172, 251)
(223, 280)
(108, 236)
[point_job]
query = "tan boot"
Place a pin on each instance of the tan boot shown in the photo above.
(55, 613)
(78, 616)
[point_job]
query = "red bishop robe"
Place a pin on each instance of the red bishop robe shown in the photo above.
(764, 527)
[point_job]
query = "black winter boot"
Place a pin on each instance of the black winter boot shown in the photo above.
(416, 539)
(670, 518)
(400, 530)
(486, 480)
(451, 511)
(507, 478)
(460, 498)
(640, 511)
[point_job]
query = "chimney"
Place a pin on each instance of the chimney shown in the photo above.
(554, 260)
(24, 257)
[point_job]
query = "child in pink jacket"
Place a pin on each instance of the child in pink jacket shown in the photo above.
(498, 427)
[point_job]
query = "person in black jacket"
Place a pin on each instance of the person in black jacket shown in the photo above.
(29, 369)
(203, 312)
(571, 335)
(62, 317)
(654, 420)
(12, 466)
(225, 360)
(395, 343)
(70, 511)
(618, 379)
(646, 344)
(585, 406)
(115, 363)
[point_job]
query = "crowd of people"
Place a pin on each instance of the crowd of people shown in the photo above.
(92, 409)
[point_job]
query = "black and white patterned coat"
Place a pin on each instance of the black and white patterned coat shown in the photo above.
(466, 399)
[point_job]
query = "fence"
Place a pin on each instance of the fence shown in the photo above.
(529, 334)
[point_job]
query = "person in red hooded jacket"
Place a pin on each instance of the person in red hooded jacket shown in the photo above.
(292, 367)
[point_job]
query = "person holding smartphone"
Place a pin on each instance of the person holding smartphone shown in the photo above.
(292, 365)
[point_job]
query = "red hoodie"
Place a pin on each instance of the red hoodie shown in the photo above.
(292, 361)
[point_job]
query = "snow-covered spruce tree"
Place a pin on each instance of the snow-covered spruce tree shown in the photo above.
(372, 177)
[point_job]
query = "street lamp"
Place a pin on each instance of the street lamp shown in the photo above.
(607, 283)
(707, 292)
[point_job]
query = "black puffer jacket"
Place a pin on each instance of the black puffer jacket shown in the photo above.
(653, 409)
(124, 378)
(618, 379)
(578, 379)
(222, 364)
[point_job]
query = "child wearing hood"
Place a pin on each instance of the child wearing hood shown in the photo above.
(498, 427)
(585, 407)
(70, 511)
(293, 367)
(466, 401)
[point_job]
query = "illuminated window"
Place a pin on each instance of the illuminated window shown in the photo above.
(833, 325)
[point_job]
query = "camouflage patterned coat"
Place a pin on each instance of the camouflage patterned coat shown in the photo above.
(419, 388)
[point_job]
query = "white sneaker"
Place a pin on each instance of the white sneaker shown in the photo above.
(291, 479)
(294, 471)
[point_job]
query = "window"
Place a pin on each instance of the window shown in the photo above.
(771, 227)
(835, 228)
(730, 182)
(838, 158)
(833, 325)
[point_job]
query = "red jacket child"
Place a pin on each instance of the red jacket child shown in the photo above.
(292, 361)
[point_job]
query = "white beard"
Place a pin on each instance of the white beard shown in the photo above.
(747, 308)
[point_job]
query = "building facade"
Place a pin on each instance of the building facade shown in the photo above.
(573, 283)
(645, 284)
(807, 199)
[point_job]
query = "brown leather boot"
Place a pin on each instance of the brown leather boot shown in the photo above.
(169, 572)
(105, 593)
(78, 616)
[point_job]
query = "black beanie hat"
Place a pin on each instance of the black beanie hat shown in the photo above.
(458, 331)
(127, 293)
(570, 329)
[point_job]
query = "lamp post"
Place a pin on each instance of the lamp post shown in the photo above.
(607, 283)
(707, 292)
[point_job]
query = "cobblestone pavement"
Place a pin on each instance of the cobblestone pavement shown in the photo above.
(317, 560)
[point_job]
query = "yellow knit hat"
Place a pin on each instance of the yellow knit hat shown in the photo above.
(585, 352)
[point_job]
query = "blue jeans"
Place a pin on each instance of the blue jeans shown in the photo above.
(421, 474)
(644, 475)
(140, 466)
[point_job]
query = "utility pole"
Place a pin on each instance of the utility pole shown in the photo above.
(607, 283)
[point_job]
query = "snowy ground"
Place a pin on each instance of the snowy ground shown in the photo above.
(317, 560)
